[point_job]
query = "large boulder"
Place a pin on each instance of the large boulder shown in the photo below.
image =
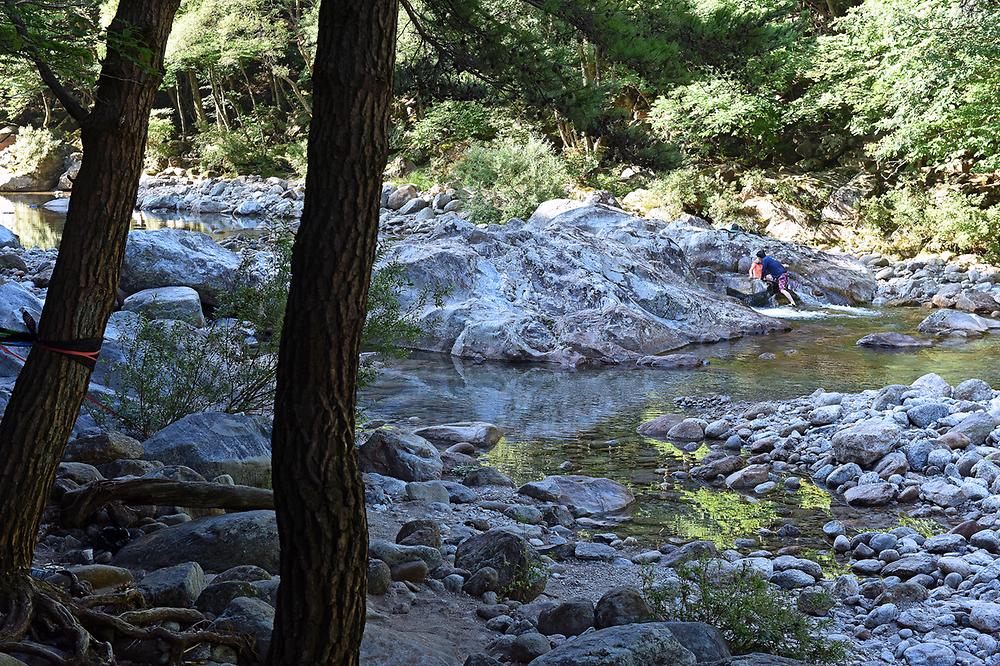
(217, 543)
(650, 644)
(866, 442)
(215, 443)
(584, 495)
(947, 322)
(819, 276)
(174, 257)
(394, 452)
(516, 562)
(181, 303)
(576, 283)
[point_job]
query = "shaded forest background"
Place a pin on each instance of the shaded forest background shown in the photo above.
(879, 117)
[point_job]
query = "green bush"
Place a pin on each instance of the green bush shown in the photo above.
(158, 141)
(910, 220)
(688, 190)
(752, 615)
(451, 123)
(509, 178)
(33, 151)
(171, 369)
(255, 147)
(718, 115)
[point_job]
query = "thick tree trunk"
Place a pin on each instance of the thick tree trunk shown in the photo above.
(51, 386)
(318, 492)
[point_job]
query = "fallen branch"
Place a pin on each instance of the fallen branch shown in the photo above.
(79, 505)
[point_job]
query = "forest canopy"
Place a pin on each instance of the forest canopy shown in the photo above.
(726, 98)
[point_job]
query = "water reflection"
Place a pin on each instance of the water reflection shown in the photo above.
(589, 417)
(41, 227)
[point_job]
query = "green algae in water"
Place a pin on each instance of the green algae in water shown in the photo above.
(719, 516)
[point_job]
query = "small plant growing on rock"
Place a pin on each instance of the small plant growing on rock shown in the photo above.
(752, 615)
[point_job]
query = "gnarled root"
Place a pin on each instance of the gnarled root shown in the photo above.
(43, 624)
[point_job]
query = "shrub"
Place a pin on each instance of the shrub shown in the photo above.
(911, 220)
(171, 369)
(255, 147)
(689, 191)
(752, 615)
(510, 178)
(453, 122)
(33, 151)
(161, 130)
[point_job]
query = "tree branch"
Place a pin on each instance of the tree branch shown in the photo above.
(69, 102)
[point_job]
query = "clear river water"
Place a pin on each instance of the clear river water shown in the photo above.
(590, 416)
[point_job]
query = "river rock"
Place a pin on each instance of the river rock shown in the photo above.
(105, 447)
(174, 257)
(517, 563)
(215, 443)
(584, 495)
(15, 299)
(483, 435)
(386, 646)
(973, 300)
(825, 415)
(177, 586)
(217, 543)
(872, 494)
(688, 430)
(622, 605)
(594, 284)
(660, 426)
(648, 644)
(973, 390)
(892, 341)
(926, 414)
(529, 646)
(181, 303)
(748, 477)
(395, 554)
(911, 565)
(977, 426)
(400, 454)
(672, 362)
(569, 618)
(248, 616)
(942, 493)
(929, 654)
(954, 322)
(866, 442)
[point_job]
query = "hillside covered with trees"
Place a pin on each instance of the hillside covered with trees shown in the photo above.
(871, 124)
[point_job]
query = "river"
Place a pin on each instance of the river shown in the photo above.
(589, 416)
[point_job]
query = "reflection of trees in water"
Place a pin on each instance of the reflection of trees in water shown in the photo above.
(38, 226)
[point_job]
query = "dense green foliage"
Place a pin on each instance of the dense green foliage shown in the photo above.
(625, 96)
(751, 615)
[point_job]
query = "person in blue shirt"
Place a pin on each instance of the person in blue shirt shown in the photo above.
(774, 273)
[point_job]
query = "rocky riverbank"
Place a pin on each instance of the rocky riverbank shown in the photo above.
(467, 567)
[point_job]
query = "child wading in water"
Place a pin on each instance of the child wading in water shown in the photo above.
(770, 270)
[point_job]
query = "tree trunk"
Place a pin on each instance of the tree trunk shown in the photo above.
(318, 492)
(199, 106)
(51, 386)
(179, 102)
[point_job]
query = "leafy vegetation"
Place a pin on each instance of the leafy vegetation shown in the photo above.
(751, 615)
(509, 179)
(169, 369)
(690, 101)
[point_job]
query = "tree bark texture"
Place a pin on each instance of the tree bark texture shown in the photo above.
(318, 492)
(50, 388)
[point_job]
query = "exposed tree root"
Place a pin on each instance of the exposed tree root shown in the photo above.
(42, 623)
